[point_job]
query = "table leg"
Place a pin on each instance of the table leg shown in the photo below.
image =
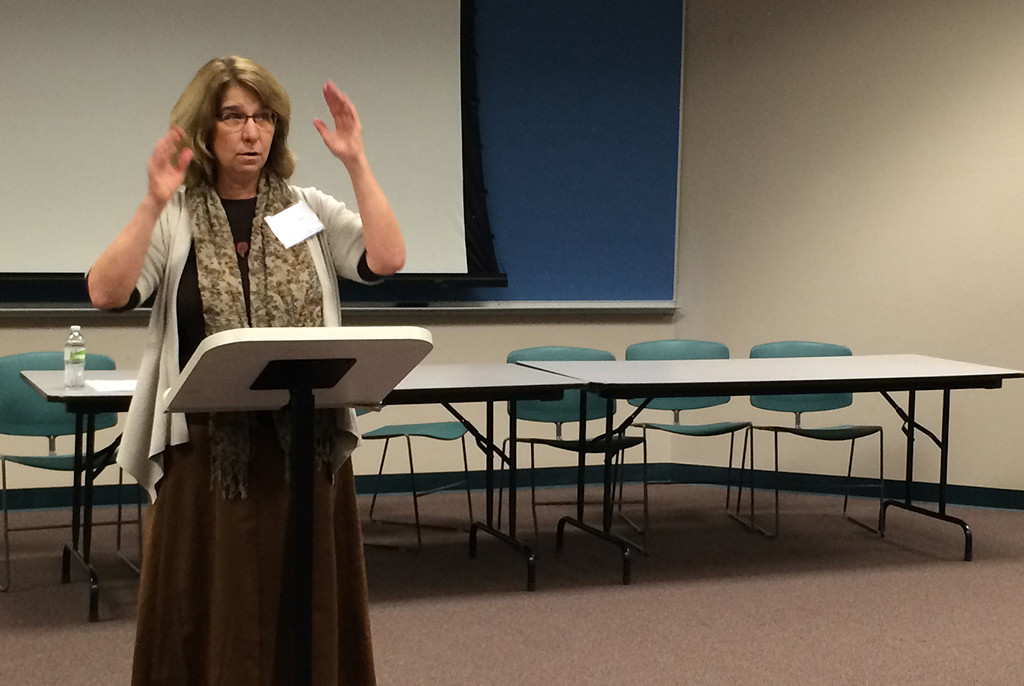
(80, 547)
(605, 532)
(486, 443)
(942, 441)
(87, 492)
(76, 500)
(87, 503)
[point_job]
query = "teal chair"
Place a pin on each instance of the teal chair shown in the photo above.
(558, 413)
(24, 412)
(802, 403)
(682, 349)
(438, 431)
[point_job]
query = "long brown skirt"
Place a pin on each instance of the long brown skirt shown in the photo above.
(214, 596)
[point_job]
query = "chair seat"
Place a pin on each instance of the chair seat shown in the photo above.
(64, 463)
(714, 429)
(103, 458)
(593, 445)
(442, 431)
(844, 432)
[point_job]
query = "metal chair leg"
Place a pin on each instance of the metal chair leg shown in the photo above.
(121, 522)
(747, 435)
(647, 509)
(881, 481)
(749, 520)
(380, 470)
(619, 481)
(465, 467)
(881, 487)
(728, 470)
(776, 532)
(415, 495)
(501, 481)
(739, 481)
(7, 538)
(120, 509)
(750, 485)
(533, 494)
(849, 477)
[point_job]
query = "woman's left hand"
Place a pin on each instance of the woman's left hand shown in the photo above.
(385, 247)
(346, 140)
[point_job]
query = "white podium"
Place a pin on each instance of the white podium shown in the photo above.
(301, 369)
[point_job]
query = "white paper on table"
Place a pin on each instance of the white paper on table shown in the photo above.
(294, 224)
(111, 385)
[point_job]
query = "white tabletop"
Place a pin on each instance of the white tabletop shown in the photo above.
(475, 382)
(116, 384)
(738, 376)
(499, 381)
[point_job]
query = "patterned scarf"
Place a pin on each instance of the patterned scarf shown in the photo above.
(284, 290)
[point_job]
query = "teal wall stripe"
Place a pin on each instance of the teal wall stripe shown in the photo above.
(549, 477)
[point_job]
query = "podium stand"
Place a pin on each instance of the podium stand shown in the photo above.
(301, 369)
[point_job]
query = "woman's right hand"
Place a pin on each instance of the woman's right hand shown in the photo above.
(114, 274)
(166, 173)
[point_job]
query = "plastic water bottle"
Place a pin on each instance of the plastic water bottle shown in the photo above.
(74, 359)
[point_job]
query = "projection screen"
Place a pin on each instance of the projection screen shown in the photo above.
(87, 88)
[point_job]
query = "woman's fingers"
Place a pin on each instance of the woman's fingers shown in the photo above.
(168, 163)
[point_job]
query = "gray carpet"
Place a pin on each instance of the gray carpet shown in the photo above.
(825, 603)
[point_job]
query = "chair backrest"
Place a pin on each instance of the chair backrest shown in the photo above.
(801, 402)
(24, 412)
(568, 408)
(679, 349)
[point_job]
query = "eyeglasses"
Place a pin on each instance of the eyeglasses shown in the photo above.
(234, 120)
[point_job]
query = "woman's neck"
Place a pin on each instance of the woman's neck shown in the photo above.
(237, 189)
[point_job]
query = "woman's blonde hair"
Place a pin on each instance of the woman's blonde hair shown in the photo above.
(198, 107)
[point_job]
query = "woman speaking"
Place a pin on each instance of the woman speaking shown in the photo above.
(215, 588)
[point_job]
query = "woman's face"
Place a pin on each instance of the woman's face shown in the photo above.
(241, 141)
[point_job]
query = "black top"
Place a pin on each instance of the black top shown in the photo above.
(191, 326)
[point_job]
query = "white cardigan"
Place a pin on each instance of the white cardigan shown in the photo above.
(147, 430)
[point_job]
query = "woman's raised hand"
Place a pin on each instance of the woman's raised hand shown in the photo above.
(385, 246)
(346, 140)
(116, 271)
(167, 173)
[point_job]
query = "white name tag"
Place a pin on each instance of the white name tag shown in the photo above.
(295, 224)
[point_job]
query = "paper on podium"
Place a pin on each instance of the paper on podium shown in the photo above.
(220, 375)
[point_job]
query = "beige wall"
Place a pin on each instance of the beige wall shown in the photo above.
(850, 173)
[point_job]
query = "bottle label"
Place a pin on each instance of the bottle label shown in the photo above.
(78, 356)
